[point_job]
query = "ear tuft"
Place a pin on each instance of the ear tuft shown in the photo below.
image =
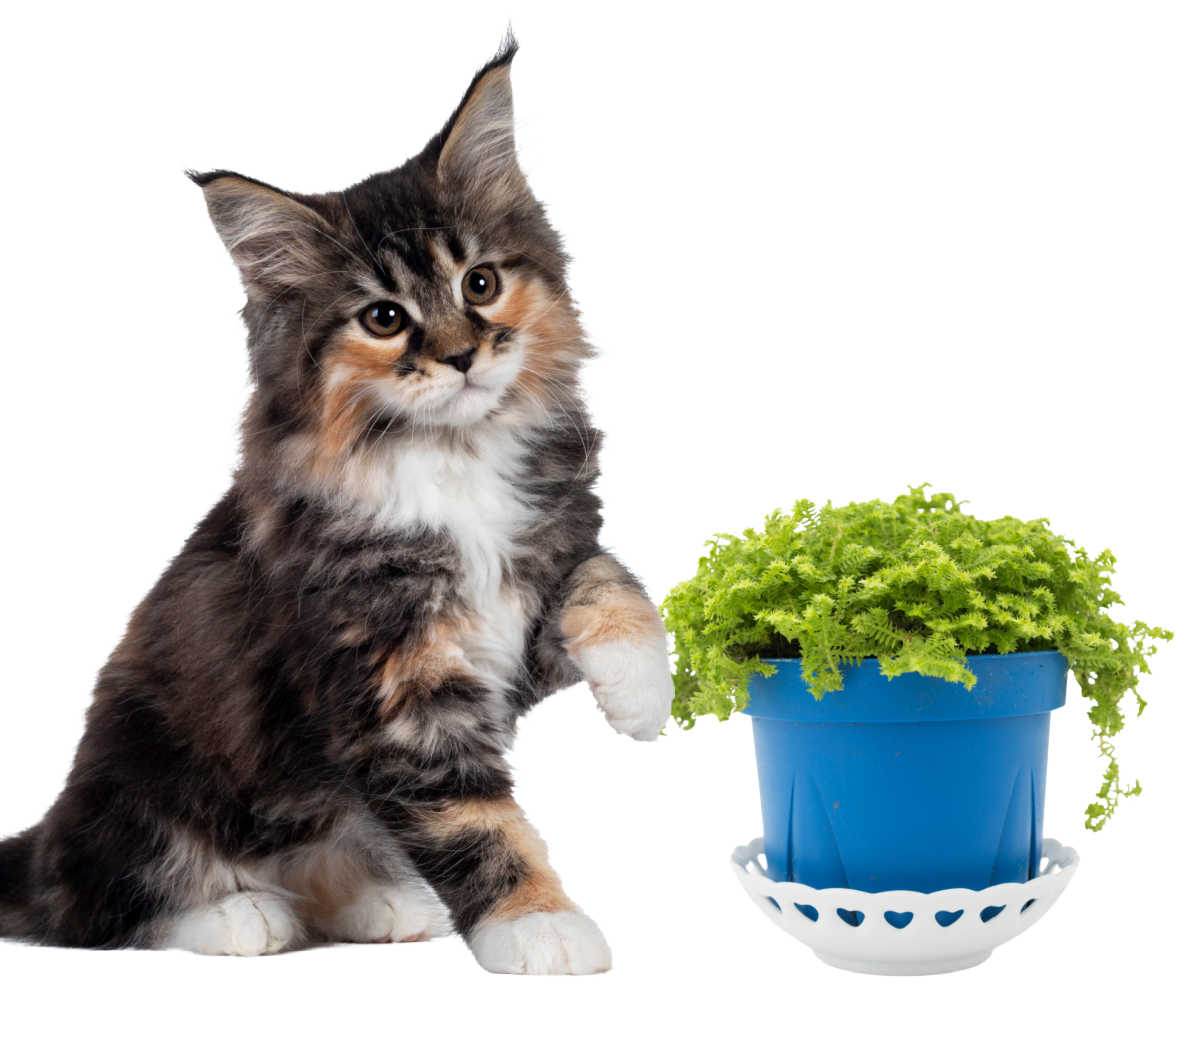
(277, 241)
(477, 151)
(507, 49)
(204, 179)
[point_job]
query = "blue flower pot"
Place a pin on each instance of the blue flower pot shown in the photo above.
(910, 783)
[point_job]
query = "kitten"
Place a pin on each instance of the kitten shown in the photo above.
(301, 736)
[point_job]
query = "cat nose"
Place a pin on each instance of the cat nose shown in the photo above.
(461, 362)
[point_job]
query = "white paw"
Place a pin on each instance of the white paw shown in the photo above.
(242, 923)
(632, 683)
(390, 914)
(558, 943)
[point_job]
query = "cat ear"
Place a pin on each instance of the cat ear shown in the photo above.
(278, 242)
(478, 152)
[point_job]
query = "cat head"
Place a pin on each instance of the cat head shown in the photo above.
(428, 298)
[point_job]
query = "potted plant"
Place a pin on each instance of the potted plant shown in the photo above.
(900, 661)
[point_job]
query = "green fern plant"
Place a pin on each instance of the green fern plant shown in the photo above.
(919, 584)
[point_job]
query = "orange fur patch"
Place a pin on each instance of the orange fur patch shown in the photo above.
(551, 330)
(325, 881)
(540, 890)
(420, 669)
(610, 610)
(447, 820)
(354, 367)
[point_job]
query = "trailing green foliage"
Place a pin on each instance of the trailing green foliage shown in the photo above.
(918, 583)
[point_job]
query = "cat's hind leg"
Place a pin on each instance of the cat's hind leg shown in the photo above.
(247, 924)
(218, 905)
(356, 886)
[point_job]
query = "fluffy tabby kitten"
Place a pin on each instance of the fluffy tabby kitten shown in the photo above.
(302, 735)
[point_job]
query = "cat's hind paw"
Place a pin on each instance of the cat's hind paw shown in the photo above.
(244, 924)
(632, 684)
(389, 914)
(545, 943)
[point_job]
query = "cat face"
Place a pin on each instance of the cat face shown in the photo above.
(461, 326)
(428, 298)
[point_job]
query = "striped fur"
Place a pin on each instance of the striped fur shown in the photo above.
(302, 735)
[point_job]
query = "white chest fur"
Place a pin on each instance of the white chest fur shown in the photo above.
(473, 496)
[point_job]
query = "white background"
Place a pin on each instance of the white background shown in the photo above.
(824, 253)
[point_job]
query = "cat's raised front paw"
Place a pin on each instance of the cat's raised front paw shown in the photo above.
(545, 943)
(632, 683)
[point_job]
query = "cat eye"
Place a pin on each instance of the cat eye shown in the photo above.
(481, 285)
(384, 319)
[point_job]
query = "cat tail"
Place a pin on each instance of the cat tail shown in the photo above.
(16, 886)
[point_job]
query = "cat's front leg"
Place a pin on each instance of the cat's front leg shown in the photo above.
(489, 867)
(439, 785)
(613, 634)
(526, 923)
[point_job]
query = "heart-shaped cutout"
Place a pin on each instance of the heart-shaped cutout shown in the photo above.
(854, 918)
(945, 918)
(988, 913)
(808, 911)
(898, 919)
